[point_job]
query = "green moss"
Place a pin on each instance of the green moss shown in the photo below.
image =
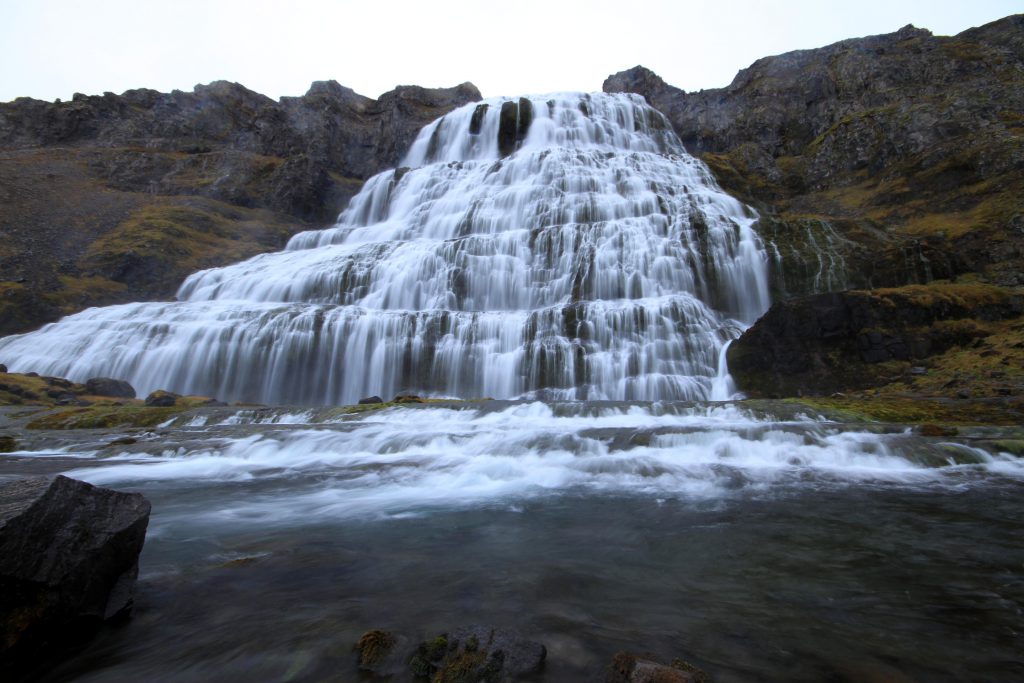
(913, 410)
(77, 293)
(168, 240)
(373, 647)
(105, 417)
(1014, 446)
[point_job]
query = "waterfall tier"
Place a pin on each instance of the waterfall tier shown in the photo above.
(562, 246)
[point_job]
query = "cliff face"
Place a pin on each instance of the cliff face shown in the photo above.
(908, 145)
(903, 155)
(117, 198)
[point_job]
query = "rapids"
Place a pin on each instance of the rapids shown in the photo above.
(562, 247)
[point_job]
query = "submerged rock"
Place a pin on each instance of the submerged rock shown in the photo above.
(629, 668)
(106, 386)
(478, 653)
(68, 561)
(8, 444)
(383, 653)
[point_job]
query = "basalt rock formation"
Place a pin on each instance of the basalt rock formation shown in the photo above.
(960, 334)
(875, 162)
(117, 198)
(68, 561)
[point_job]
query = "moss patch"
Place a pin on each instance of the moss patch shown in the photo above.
(915, 410)
(158, 246)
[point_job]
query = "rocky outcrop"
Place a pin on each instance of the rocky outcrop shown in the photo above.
(68, 562)
(906, 144)
(843, 341)
(107, 386)
(162, 399)
(114, 198)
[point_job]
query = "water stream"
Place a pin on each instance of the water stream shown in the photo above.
(759, 547)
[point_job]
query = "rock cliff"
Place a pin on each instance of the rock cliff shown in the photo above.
(884, 161)
(116, 198)
(904, 150)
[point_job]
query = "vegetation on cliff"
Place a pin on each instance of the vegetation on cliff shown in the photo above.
(884, 161)
(117, 198)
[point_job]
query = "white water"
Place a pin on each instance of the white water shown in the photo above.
(597, 261)
(405, 461)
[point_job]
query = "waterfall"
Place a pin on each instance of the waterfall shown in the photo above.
(563, 246)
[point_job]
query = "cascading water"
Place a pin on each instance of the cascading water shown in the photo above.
(562, 246)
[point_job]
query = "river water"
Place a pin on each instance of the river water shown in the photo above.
(757, 546)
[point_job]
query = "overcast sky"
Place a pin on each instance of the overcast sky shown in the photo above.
(53, 48)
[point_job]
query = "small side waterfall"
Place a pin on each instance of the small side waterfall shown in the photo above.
(562, 246)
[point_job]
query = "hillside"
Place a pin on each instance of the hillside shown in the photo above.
(117, 198)
(903, 154)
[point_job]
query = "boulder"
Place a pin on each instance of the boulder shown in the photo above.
(162, 399)
(106, 386)
(369, 400)
(68, 561)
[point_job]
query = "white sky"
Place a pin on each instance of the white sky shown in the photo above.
(53, 48)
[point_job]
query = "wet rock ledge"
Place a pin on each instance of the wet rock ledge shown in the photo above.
(68, 562)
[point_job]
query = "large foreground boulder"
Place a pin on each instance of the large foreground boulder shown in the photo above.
(68, 561)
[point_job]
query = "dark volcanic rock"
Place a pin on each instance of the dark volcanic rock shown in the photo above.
(68, 561)
(826, 343)
(105, 386)
(162, 399)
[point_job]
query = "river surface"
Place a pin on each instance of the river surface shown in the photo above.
(758, 548)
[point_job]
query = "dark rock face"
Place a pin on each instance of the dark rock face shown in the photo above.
(115, 198)
(162, 399)
(68, 561)
(826, 343)
(514, 124)
(105, 386)
(909, 137)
